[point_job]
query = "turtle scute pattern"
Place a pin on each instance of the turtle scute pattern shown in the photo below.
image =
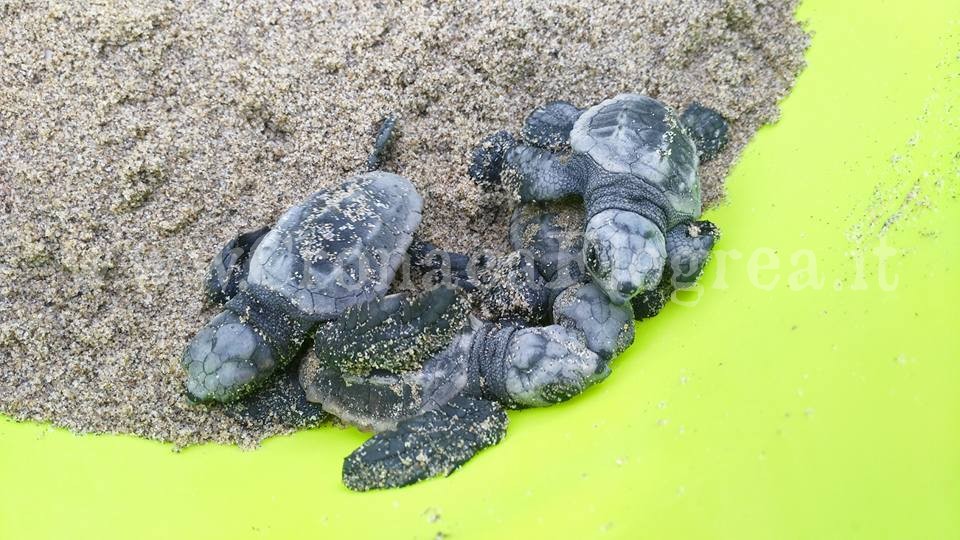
(341, 247)
(638, 135)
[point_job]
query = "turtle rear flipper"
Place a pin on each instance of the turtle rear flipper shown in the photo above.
(432, 444)
(229, 268)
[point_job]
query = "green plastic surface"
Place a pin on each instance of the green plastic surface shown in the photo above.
(768, 410)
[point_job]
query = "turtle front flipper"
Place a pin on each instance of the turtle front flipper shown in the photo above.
(707, 128)
(688, 250)
(442, 266)
(549, 125)
(510, 288)
(281, 403)
(228, 270)
(535, 174)
(552, 234)
(486, 159)
(530, 172)
(433, 444)
(394, 334)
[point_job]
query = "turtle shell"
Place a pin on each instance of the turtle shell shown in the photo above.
(341, 247)
(638, 135)
(379, 400)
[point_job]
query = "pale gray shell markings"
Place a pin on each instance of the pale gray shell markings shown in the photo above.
(638, 135)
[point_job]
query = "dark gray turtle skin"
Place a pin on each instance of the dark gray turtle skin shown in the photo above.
(339, 248)
(457, 431)
(631, 160)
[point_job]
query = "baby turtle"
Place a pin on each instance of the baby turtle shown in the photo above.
(436, 415)
(634, 164)
(339, 248)
(431, 378)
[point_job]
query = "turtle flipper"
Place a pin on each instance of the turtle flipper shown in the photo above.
(283, 402)
(688, 250)
(707, 128)
(393, 334)
(549, 125)
(486, 160)
(229, 268)
(535, 174)
(550, 232)
(649, 303)
(381, 145)
(607, 328)
(510, 288)
(435, 443)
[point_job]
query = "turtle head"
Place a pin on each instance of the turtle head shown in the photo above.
(624, 253)
(225, 359)
(547, 365)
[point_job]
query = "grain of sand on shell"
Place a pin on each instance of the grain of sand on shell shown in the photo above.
(136, 138)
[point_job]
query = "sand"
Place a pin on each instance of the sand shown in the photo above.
(137, 137)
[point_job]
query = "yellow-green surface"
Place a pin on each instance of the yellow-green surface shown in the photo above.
(780, 413)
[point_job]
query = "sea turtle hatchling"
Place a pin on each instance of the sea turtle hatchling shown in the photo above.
(632, 161)
(339, 248)
(430, 378)
(397, 363)
(433, 416)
